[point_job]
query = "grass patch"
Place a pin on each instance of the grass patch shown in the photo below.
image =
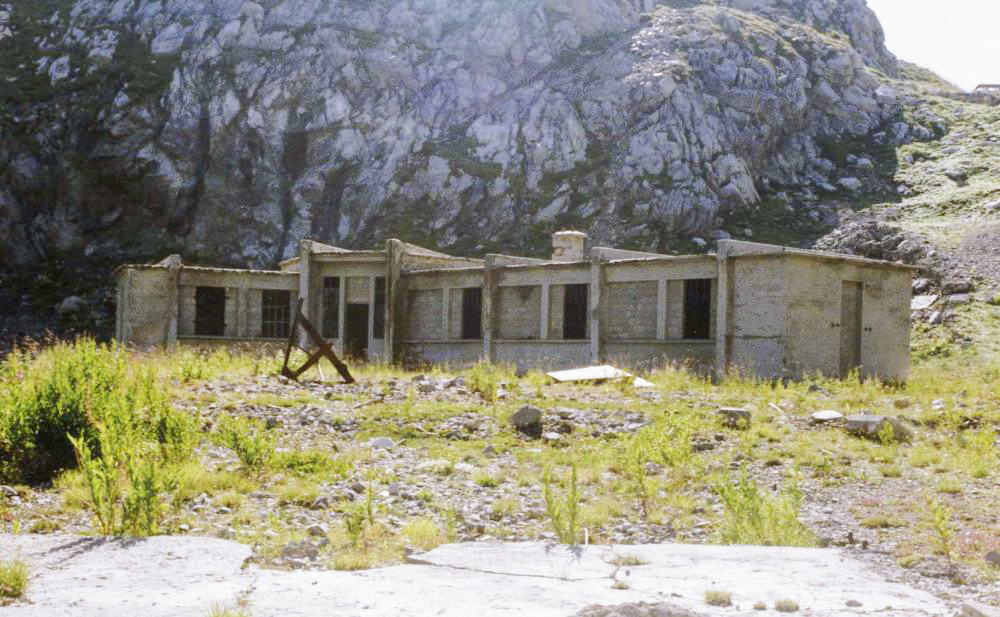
(718, 597)
(13, 578)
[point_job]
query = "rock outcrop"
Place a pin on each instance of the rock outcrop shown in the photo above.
(231, 128)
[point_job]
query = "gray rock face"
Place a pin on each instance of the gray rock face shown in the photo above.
(231, 128)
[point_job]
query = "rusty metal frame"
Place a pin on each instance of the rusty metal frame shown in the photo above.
(323, 349)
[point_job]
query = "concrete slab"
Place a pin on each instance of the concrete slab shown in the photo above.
(165, 575)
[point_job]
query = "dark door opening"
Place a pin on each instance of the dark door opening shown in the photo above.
(356, 331)
(472, 313)
(697, 308)
(851, 302)
(575, 312)
(210, 311)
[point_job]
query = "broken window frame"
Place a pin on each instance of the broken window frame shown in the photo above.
(575, 305)
(472, 313)
(697, 312)
(330, 299)
(209, 310)
(275, 313)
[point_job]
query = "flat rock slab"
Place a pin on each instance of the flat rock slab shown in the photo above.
(187, 575)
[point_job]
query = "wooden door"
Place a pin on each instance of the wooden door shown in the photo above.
(851, 306)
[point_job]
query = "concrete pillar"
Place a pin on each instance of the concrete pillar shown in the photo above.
(597, 307)
(394, 300)
(491, 281)
(723, 339)
(544, 326)
(445, 310)
(661, 309)
(242, 321)
(305, 283)
(173, 263)
(371, 316)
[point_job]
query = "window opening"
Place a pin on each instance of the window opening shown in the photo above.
(472, 313)
(697, 308)
(575, 312)
(210, 311)
(378, 319)
(275, 313)
(330, 328)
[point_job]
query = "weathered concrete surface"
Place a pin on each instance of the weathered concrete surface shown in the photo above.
(185, 576)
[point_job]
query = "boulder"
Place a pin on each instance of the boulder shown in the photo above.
(527, 420)
(851, 184)
(735, 417)
(872, 426)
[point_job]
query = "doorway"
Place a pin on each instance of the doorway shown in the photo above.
(356, 331)
(851, 301)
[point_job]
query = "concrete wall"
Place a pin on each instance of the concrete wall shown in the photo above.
(815, 324)
(147, 298)
(757, 316)
(424, 314)
(632, 310)
(244, 298)
(519, 312)
(544, 355)
(450, 353)
(697, 355)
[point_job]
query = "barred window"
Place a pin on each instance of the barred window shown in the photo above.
(275, 313)
(378, 318)
(330, 328)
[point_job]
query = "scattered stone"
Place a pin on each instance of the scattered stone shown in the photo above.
(826, 416)
(699, 242)
(851, 184)
(936, 318)
(956, 299)
(735, 417)
(921, 285)
(489, 450)
(919, 303)
(957, 286)
(865, 164)
(318, 530)
(552, 437)
(993, 558)
(853, 603)
(303, 549)
(871, 426)
(902, 403)
(652, 468)
(528, 420)
(8, 491)
(956, 175)
(320, 503)
(971, 608)
(71, 304)
(381, 443)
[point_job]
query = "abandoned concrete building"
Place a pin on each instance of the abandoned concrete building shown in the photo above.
(768, 310)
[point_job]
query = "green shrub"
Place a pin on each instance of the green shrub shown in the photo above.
(249, 439)
(562, 513)
(67, 390)
(753, 516)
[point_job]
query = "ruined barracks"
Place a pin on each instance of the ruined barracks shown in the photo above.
(770, 311)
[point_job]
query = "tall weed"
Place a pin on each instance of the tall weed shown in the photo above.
(754, 516)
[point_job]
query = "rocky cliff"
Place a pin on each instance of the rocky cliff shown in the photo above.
(228, 129)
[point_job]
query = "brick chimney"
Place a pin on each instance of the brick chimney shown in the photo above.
(568, 245)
